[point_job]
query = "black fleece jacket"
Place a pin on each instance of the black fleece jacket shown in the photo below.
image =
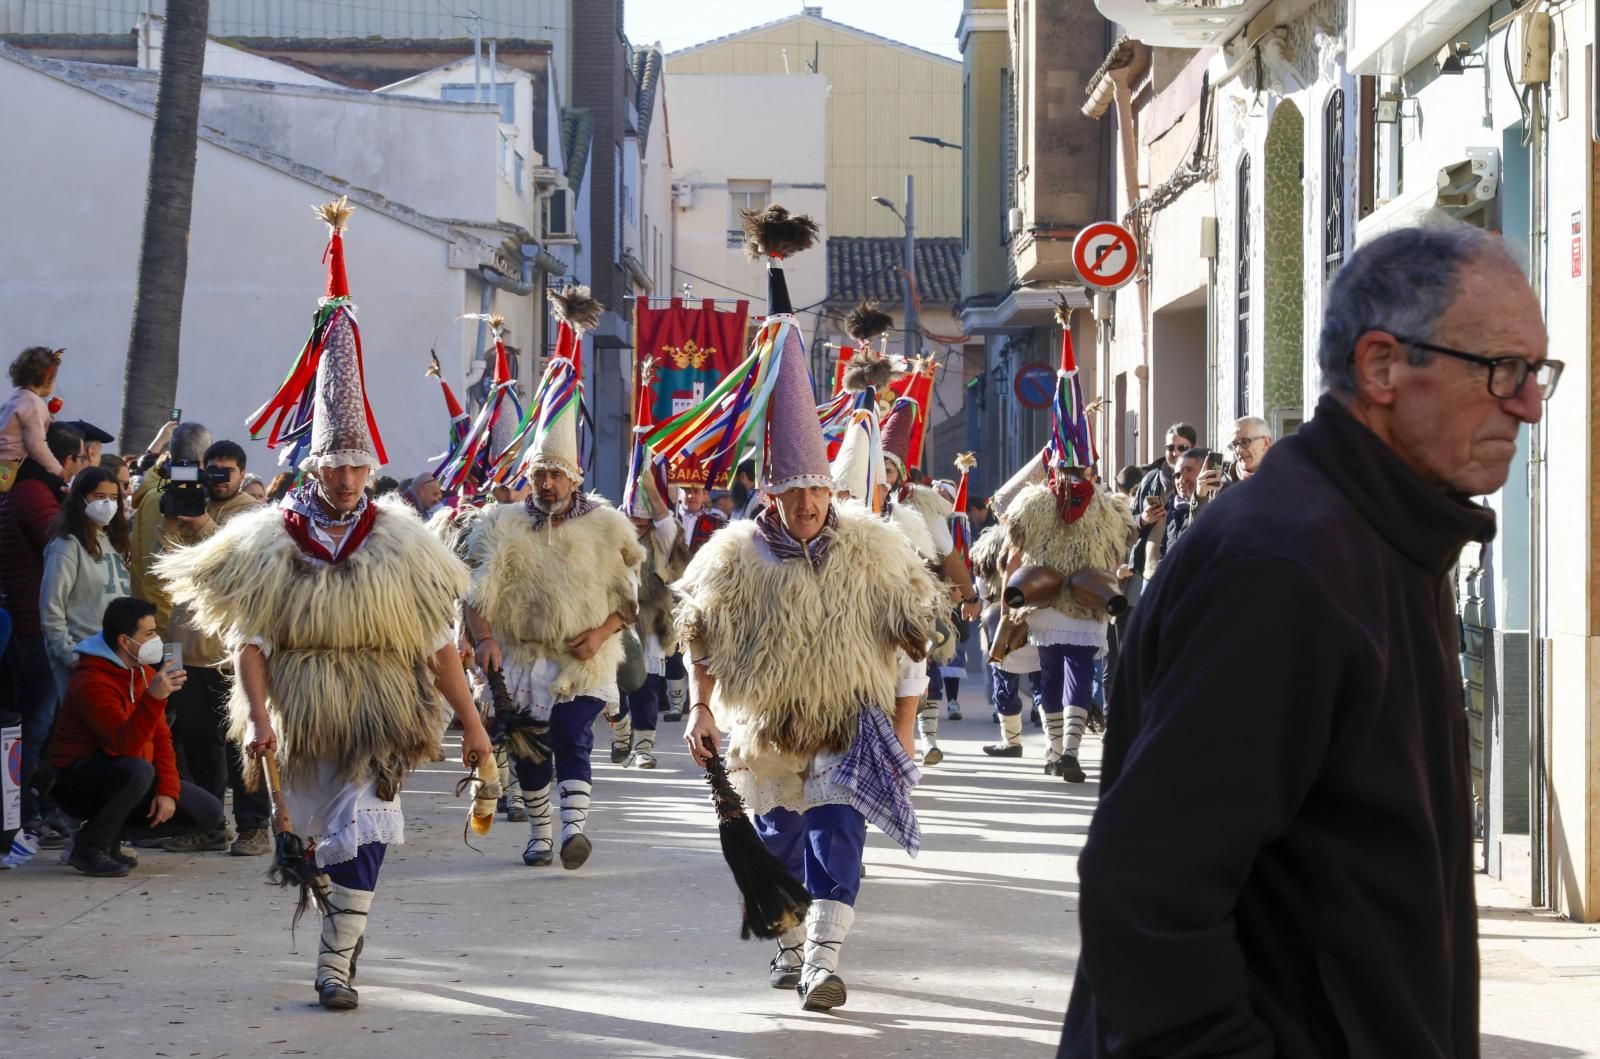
(1281, 862)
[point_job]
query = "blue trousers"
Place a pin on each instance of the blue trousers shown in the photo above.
(644, 705)
(571, 740)
(1067, 673)
(821, 847)
(1004, 689)
(676, 669)
(361, 871)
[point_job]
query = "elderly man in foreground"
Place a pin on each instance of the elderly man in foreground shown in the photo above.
(1281, 864)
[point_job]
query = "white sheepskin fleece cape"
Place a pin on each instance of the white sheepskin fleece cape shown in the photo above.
(1099, 540)
(539, 588)
(347, 677)
(797, 652)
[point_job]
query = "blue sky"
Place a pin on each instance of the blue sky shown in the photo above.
(926, 24)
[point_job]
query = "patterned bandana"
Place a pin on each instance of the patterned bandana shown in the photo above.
(308, 502)
(769, 524)
(581, 505)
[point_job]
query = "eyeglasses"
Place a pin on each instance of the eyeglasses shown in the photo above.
(1179, 448)
(1240, 444)
(1507, 375)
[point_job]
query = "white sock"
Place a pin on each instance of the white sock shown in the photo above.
(537, 803)
(928, 722)
(343, 924)
(827, 923)
(574, 796)
(621, 729)
(644, 740)
(1053, 724)
(1011, 729)
(1077, 721)
(791, 946)
(677, 694)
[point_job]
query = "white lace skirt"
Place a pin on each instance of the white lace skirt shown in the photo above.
(341, 817)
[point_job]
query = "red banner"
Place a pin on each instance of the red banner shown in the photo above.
(691, 351)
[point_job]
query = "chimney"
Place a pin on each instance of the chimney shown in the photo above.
(814, 10)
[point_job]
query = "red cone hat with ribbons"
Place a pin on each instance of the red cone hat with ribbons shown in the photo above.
(322, 405)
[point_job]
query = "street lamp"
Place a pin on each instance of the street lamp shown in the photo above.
(913, 332)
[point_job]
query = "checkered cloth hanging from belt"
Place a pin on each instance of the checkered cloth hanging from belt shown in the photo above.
(879, 776)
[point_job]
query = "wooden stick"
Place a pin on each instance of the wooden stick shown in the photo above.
(281, 822)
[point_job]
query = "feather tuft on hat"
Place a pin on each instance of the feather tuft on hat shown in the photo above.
(867, 371)
(866, 322)
(575, 306)
(775, 232)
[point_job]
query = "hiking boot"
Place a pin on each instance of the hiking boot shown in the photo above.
(121, 854)
(252, 842)
(97, 863)
(1069, 769)
(199, 842)
(575, 851)
(954, 712)
(1004, 750)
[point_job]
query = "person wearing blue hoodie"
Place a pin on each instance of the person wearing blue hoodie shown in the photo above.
(112, 749)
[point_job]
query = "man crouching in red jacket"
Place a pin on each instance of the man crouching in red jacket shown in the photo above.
(112, 748)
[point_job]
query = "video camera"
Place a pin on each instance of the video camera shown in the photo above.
(188, 488)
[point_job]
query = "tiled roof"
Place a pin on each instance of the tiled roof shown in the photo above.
(647, 76)
(577, 133)
(865, 267)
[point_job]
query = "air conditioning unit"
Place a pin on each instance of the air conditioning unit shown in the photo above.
(683, 196)
(560, 216)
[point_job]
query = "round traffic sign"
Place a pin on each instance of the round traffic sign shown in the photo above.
(1105, 255)
(1035, 385)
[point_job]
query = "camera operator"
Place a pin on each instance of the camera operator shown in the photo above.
(187, 442)
(200, 707)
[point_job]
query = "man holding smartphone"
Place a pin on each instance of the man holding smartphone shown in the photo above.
(112, 748)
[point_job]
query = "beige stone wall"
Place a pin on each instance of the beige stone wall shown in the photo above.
(879, 94)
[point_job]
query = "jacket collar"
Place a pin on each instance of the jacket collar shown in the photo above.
(1423, 523)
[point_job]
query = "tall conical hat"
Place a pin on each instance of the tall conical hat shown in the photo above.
(459, 421)
(899, 427)
(503, 428)
(766, 407)
(1071, 440)
(858, 468)
(645, 494)
(322, 406)
(550, 428)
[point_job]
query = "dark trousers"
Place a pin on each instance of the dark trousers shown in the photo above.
(644, 705)
(113, 795)
(34, 694)
(1005, 688)
(821, 847)
(676, 670)
(1067, 673)
(360, 872)
(571, 742)
(207, 757)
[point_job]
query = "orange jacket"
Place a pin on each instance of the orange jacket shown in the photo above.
(109, 707)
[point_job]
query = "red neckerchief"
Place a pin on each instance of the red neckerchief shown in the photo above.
(299, 528)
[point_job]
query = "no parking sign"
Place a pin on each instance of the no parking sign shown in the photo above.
(1035, 385)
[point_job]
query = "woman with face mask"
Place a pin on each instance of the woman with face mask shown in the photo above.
(84, 567)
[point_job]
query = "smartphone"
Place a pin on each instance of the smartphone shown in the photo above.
(172, 656)
(176, 415)
(1213, 461)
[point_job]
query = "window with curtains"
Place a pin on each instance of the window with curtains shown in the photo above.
(1333, 191)
(1241, 271)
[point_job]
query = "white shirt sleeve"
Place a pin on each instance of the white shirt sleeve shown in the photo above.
(911, 678)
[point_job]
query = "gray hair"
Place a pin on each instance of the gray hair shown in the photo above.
(1402, 282)
(190, 442)
(1253, 423)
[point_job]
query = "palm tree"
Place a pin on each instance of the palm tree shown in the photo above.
(150, 378)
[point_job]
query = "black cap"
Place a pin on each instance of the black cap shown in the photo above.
(90, 432)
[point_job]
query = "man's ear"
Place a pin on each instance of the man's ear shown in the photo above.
(1373, 362)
